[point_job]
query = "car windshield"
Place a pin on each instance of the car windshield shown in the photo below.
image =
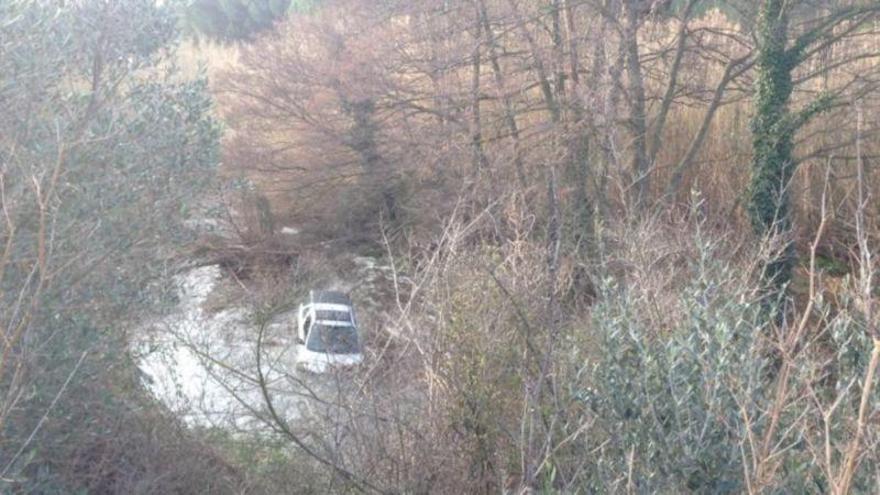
(331, 315)
(333, 339)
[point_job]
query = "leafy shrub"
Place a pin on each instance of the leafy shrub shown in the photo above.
(670, 399)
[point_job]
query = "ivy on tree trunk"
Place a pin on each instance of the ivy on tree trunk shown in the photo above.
(772, 139)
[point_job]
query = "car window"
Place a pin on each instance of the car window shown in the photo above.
(342, 339)
(307, 326)
(330, 315)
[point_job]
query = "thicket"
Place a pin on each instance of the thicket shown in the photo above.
(573, 207)
(102, 149)
(593, 208)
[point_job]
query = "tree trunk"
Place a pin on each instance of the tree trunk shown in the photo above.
(362, 139)
(509, 116)
(638, 122)
(772, 140)
(480, 162)
(579, 145)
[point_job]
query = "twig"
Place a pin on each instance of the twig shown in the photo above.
(45, 415)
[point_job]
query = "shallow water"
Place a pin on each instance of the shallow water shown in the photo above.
(203, 365)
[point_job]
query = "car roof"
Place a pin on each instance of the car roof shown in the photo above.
(329, 297)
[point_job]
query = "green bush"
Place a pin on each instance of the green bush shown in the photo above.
(103, 148)
(670, 399)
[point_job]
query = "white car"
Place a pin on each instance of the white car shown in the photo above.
(327, 334)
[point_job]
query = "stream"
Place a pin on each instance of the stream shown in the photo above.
(202, 364)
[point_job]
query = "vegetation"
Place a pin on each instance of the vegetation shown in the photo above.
(233, 20)
(597, 246)
(774, 126)
(101, 145)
